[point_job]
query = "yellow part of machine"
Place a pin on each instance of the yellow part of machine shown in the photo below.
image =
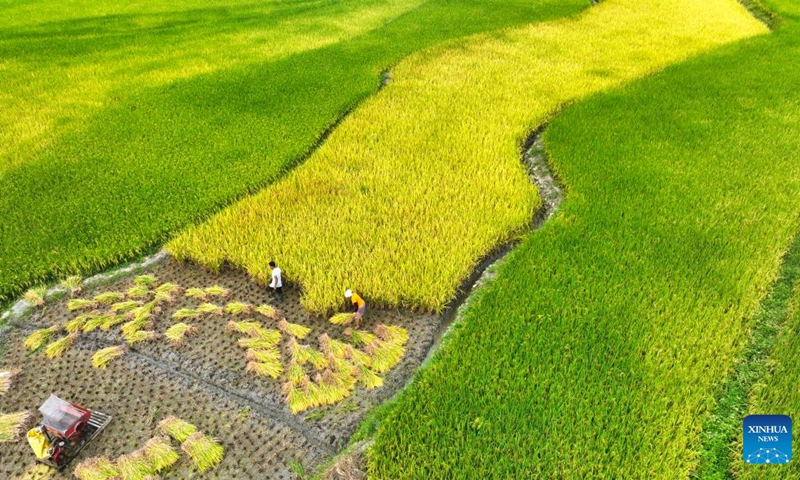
(39, 443)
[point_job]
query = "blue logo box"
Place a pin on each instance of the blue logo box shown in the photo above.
(767, 439)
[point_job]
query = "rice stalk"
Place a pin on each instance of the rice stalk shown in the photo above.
(35, 296)
(134, 326)
(107, 298)
(177, 429)
(384, 355)
(392, 334)
(272, 368)
(127, 306)
(73, 284)
(143, 311)
(256, 343)
(7, 380)
(217, 291)
(141, 336)
(146, 280)
(269, 311)
(244, 327)
(332, 346)
(39, 338)
(205, 452)
(102, 358)
(112, 321)
(368, 378)
(177, 333)
(237, 308)
(293, 329)
(169, 288)
(296, 399)
(163, 297)
(134, 466)
(81, 304)
(160, 453)
(209, 308)
(197, 293)
(57, 348)
(93, 323)
(357, 357)
(317, 358)
(138, 291)
(295, 373)
(12, 424)
(263, 355)
(185, 313)
(342, 318)
(359, 337)
(96, 468)
(76, 324)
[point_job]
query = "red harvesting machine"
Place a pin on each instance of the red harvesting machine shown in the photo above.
(65, 430)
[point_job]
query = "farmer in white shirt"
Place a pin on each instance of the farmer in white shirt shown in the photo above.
(276, 285)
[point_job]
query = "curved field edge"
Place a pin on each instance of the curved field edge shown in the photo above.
(424, 179)
(160, 158)
(599, 348)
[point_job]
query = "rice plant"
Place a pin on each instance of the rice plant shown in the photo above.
(138, 291)
(96, 468)
(196, 293)
(256, 343)
(295, 397)
(332, 346)
(93, 323)
(385, 355)
(134, 466)
(216, 291)
(112, 321)
(143, 311)
(176, 334)
(357, 357)
(39, 338)
(295, 373)
(81, 304)
(205, 452)
(342, 318)
(368, 378)
(103, 357)
(269, 311)
(107, 298)
(209, 309)
(238, 308)
(133, 326)
(57, 348)
(265, 356)
(35, 296)
(127, 306)
(160, 453)
(360, 337)
(177, 429)
(293, 329)
(245, 327)
(392, 334)
(184, 313)
(163, 297)
(73, 284)
(140, 336)
(12, 424)
(76, 324)
(146, 280)
(7, 380)
(169, 288)
(273, 368)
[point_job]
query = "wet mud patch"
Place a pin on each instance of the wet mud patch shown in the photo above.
(204, 381)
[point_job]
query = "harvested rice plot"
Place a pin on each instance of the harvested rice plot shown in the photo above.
(209, 361)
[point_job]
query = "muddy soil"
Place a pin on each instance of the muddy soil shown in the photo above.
(204, 381)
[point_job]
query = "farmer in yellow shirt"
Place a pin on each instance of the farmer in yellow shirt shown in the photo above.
(359, 305)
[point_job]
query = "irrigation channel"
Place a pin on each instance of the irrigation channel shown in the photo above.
(205, 380)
